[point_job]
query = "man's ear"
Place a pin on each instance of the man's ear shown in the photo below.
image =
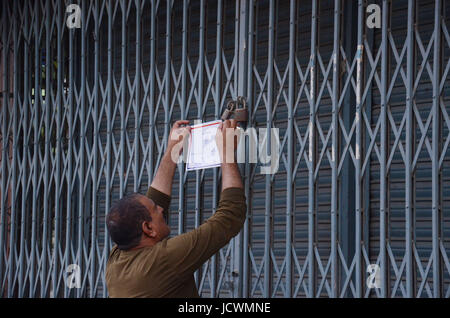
(148, 229)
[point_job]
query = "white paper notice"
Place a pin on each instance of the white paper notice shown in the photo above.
(203, 152)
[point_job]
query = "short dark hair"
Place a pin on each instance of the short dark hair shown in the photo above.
(124, 221)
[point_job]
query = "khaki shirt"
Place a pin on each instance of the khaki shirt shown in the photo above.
(167, 268)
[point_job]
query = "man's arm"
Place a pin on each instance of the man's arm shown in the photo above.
(228, 131)
(164, 175)
(231, 177)
(161, 188)
(187, 252)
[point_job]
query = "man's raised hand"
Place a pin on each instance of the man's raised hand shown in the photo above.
(227, 138)
(178, 135)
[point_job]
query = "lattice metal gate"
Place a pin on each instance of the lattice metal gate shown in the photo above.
(364, 169)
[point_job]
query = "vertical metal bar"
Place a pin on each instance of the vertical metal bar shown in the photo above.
(167, 69)
(236, 49)
(70, 152)
(291, 150)
(168, 82)
(250, 56)
(312, 151)
(16, 110)
(218, 105)
(123, 98)
(59, 136)
(183, 106)
(436, 208)
(108, 186)
(8, 114)
(334, 147)
(242, 62)
(358, 150)
(383, 150)
(201, 60)
(4, 110)
(26, 100)
(168, 73)
(409, 224)
(346, 199)
(367, 107)
(47, 159)
(242, 91)
(95, 147)
(81, 154)
(268, 187)
(234, 242)
(137, 97)
(152, 90)
(359, 145)
(36, 105)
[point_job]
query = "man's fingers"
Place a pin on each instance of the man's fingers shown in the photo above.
(229, 123)
(178, 123)
(233, 123)
(177, 134)
(182, 122)
(186, 131)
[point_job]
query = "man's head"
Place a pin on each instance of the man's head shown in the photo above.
(136, 221)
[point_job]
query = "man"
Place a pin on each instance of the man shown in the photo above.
(145, 262)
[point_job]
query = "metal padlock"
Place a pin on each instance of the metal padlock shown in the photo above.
(229, 111)
(241, 114)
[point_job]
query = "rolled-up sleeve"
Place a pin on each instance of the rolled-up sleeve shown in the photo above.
(161, 199)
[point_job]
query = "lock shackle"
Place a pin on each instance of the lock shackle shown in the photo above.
(242, 101)
(236, 108)
(231, 105)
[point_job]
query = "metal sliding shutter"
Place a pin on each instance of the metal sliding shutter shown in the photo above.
(85, 115)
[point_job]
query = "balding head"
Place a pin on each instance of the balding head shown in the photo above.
(124, 221)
